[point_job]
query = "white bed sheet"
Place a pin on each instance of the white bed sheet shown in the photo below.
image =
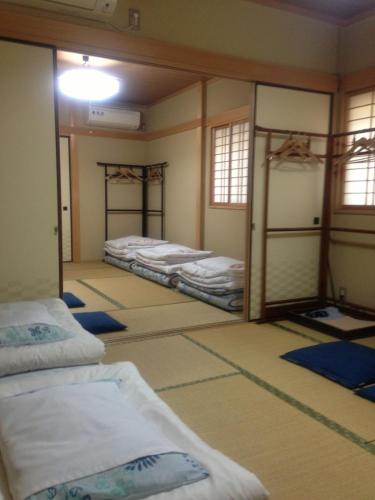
(82, 349)
(227, 481)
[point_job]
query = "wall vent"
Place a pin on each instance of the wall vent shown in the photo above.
(103, 116)
(95, 9)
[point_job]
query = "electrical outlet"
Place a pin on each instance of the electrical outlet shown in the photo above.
(342, 293)
(316, 220)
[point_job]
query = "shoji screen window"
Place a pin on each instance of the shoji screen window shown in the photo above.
(359, 172)
(229, 165)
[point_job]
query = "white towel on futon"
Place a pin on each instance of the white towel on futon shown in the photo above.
(133, 241)
(59, 434)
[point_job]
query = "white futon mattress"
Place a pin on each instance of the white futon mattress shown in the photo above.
(227, 481)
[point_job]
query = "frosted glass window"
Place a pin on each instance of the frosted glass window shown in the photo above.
(229, 164)
(359, 174)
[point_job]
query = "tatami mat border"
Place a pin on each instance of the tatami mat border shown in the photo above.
(195, 382)
(307, 410)
(166, 333)
(296, 332)
(141, 337)
(103, 295)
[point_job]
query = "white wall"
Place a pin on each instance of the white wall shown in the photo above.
(357, 46)
(352, 259)
(182, 183)
(183, 107)
(91, 191)
(239, 28)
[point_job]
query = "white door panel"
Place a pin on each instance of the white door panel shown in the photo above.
(29, 253)
(65, 199)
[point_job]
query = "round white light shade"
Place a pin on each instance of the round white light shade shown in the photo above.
(88, 84)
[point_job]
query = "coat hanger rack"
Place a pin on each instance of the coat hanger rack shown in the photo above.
(295, 148)
(123, 173)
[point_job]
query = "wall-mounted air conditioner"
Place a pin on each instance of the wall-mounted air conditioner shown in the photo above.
(103, 116)
(95, 9)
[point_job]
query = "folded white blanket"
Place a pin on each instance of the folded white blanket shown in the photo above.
(134, 241)
(59, 434)
(124, 254)
(214, 267)
(172, 254)
(216, 284)
(159, 266)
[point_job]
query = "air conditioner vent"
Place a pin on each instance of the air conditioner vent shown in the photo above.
(103, 116)
(95, 9)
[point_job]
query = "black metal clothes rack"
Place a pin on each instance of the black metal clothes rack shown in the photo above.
(137, 173)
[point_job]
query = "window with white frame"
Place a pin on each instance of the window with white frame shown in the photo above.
(229, 164)
(358, 188)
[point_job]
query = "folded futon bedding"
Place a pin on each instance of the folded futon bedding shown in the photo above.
(127, 265)
(166, 279)
(229, 301)
(43, 334)
(100, 432)
(126, 247)
(216, 275)
(169, 258)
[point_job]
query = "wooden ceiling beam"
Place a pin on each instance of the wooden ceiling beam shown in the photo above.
(127, 47)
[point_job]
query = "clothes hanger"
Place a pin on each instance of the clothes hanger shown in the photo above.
(360, 148)
(124, 174)
(294, 150)
(155, 175)
(114, 176)
(129, 174)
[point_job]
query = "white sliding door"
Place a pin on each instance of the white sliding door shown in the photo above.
(29, 252)
(66, 209)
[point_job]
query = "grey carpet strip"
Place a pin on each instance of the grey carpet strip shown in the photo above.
(307, 410)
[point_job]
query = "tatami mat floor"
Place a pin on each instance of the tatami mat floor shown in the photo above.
(146, 308)
(304, 436)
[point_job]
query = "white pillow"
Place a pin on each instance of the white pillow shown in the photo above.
(24, 313)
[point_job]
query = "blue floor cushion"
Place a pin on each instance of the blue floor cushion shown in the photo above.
(367, 392)
(72, 301)
(347, 363)
(98, 322)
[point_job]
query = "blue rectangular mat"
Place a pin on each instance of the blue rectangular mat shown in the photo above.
(98, 322)
(347, 363)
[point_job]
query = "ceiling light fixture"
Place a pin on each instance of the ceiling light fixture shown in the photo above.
(88, 84)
